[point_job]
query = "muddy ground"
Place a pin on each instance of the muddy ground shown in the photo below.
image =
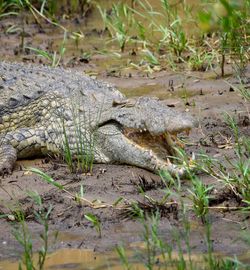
(207, 99)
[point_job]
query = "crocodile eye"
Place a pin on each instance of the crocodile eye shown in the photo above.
(13, 102)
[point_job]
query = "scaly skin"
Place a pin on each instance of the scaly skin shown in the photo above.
(39, 104)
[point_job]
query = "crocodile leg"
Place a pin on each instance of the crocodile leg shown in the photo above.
(122, 150)
(8, 157)
(21, 143)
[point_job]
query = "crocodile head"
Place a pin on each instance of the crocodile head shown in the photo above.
(150, 114)
(146, 127)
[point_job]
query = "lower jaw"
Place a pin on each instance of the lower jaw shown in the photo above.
(162, 145)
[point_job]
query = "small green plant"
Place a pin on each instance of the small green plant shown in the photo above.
(23, 236)
(240, 177)
(200, 60)
(77, 37)
(80, 195)
(241, 89)
(212, 261)
(200, 198)
(229, 20)
(46, 9)
(151, 239)
(123, 257)
(119, 23)
(46, 178)
(149, 56)
(95, 222)
(237, 173)
(178, 40)
(173, 35)
(13, 29)
(54, 58)
(8, 8)
(75, 197)
(79, 154)
(68, 156)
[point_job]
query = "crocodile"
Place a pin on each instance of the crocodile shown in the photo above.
(41, 108)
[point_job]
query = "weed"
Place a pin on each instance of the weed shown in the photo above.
(200, 60)
(143, 184)
(237, 175)
(67, 151)
(213, 262)
(54, 58)
(118, 23)
(85, 144)
(48, 8)
(79, 195)
(8, 8)
(133, 211)
(22, 235)
(162, 32)
(82, 147)
(178, 41)
(150, 237)
(150, 58)
(75, 197)
(46, 178)
(240, 178)
(150, 206)
(200, 198)
(13, 29)
(229, 21)
(244, 92)
(123, 257)
(77, 36)
(159, 253)
(95, 222)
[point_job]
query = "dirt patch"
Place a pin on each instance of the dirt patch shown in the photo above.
(107, 184)
(201, 95)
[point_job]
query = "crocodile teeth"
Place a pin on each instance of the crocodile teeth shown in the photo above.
(174, 137)
(168, 161)
(168, 139)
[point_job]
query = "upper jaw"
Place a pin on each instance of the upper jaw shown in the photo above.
(146, 114)
(170, 124)
(152, 115)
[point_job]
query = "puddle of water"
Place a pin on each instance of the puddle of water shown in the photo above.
(159, 91)
(65, 236)
(76, 259)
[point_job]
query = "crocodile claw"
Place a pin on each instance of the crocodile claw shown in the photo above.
(8, 156)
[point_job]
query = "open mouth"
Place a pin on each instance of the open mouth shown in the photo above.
(162, 145)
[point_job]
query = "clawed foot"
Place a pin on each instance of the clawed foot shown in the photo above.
(5, 169)
(8, 158)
